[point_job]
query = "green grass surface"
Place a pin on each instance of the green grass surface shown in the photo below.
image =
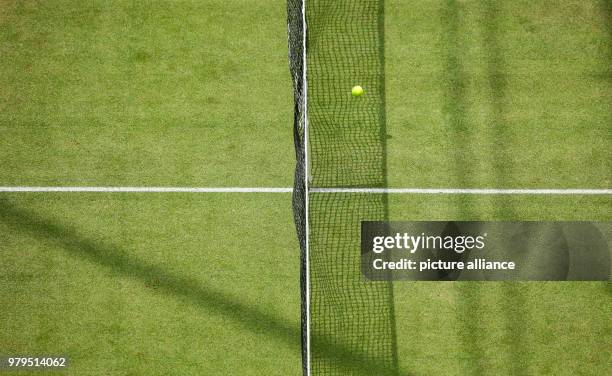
(133, 93)
(197, 93)
(180, 93)
(151, 284)
(499, 94)
(503, 328)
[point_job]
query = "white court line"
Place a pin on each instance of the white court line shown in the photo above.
(469, 191)
(431, 191)
(148, 189)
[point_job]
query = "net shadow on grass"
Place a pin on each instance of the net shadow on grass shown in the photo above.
(514, 300)
(113, 258)
(455, 112)
(347, 149)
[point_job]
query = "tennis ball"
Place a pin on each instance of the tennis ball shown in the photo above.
(357, 91)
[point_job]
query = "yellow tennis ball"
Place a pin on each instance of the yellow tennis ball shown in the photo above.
(357, 91)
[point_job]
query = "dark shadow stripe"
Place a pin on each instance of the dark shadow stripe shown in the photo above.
(513, 298)
(460, 131)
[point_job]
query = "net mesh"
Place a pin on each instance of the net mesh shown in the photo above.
(296, 29)
(351, 320)
(345, 48)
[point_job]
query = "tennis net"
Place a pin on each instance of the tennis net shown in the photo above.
(348, 323)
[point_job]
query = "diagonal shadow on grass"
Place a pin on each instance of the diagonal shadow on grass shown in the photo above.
(119, 262)
(211, 301)
(513, 299)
